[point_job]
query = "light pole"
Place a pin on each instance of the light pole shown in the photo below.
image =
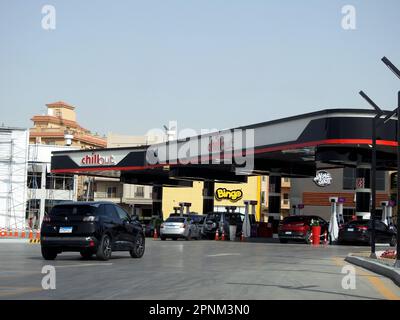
(373, 171)
(396, 71)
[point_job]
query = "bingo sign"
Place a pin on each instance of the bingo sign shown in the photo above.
(323, 178)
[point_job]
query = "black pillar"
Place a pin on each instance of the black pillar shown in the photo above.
(157, 200)
(274, 196)
(363, 191)
(208, 196)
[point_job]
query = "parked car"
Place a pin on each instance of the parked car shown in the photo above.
(149, 225)
(299, 228)
(359, 231)
(179, 226)
(213, 221)
(90, 228)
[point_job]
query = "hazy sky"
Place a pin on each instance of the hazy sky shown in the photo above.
(130, 66)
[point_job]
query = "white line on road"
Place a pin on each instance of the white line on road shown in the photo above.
(223, 254)
(84, 265)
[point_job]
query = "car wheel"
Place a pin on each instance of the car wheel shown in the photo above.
(49, 253)
(393, 241)
(283, 240)
(104, 250)
(308, 237)
(86, 254)
(139, 247)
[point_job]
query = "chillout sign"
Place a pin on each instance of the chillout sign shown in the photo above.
(98, 160)
(323, 178)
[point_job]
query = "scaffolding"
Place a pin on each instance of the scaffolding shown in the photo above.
(13, 177)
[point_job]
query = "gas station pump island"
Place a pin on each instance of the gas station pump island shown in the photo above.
(294, 147)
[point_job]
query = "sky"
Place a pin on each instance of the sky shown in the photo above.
(131, 66)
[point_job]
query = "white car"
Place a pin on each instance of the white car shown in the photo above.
(179, 227)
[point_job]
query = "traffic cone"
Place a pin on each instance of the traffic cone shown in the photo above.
(23, 233)
(155, 234)
(3, 233)
(216, 235)
(223, 235)
(242, 237)
(16, 233)
(10, 233)
(30, 234)
(38, 234)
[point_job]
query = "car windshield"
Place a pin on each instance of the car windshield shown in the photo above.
(175, 219)
(73, 210)
(214, 216)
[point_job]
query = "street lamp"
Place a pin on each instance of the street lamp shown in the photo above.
(373, 169)
(396, 71)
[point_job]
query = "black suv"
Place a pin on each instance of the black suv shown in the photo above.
(90, 228)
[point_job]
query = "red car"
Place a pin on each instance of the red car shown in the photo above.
(298, 228)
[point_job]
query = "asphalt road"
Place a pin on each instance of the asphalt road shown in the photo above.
(209, 270)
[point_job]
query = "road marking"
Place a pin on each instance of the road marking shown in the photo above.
(84, 265)
(12, 291)
(223, 254)
(373, 279)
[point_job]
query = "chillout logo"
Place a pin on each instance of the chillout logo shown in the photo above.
(98, 160)
(323, 178)
(232, 195)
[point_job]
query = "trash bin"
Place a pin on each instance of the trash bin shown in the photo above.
(232, 232)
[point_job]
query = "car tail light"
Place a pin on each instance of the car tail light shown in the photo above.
(89, 218)
(46, 218)
(182, 225)
(362, 228)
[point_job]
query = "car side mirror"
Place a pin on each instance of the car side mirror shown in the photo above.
(134, 218)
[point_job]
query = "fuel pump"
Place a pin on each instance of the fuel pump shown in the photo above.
(333, 222)
(387, 212)
(246, 229)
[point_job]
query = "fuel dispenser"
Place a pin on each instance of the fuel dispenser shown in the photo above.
(246, 229)
(387, 211)
(336, 216)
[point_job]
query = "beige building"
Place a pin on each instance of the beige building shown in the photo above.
(59, 127)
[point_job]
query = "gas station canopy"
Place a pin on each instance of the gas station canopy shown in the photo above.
(294, 147)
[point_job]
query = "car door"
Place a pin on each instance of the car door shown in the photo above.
(127, 236)
(112, 224)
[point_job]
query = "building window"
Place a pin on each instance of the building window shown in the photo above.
(139, 192)
(349, 179)
(111, 192)
(285, 198)
(59, 182)
(57, 113)
(34, 180)
(262, 197)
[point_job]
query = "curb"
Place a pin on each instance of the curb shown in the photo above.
(13, 240)
(376, 267)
